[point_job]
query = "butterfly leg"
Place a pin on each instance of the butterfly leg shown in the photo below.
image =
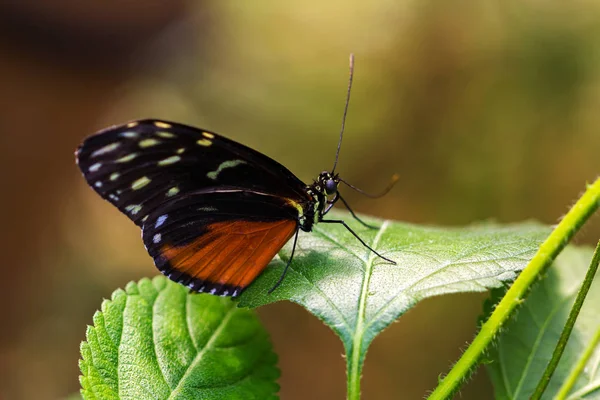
(355, 216)
(339, 221)
(288, 263)
(331, 203)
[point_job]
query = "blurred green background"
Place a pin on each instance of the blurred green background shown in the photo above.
(487, 110)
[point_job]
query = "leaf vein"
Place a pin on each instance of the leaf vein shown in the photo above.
(538, 341)
(187, 315)
(175, 393)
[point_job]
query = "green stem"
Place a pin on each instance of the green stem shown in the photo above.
(558, 239)
(354, 381)
(576, 372)
(566, 333)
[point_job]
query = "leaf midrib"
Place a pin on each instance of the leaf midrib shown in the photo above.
(360, 321)
(201, 353)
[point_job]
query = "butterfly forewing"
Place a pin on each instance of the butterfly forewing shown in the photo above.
(142, 165)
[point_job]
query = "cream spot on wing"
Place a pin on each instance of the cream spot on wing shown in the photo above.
(132, 124)
(181, 150)
(173, 191)
(167, 135)
(226, 164)
(140, 183)
(208, 135)
(114, 176)
(148, 143)
(169, 161)
(106, 149)
(162, 125)
(204, 142)
(297, 206)
(127, 158)
(133, 208)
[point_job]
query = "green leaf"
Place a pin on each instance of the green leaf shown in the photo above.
(526, 344)
(357, 294)
(156, 341)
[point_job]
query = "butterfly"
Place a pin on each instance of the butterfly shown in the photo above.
(213, 212)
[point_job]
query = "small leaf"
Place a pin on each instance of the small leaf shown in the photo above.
(526, 344)
(156, 341)
(357, 294)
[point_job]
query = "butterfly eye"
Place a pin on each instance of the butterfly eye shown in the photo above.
(330, 186)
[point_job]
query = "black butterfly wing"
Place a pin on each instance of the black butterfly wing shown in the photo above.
(142, 165)
(218, 241)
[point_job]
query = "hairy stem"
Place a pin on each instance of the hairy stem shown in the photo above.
(552, 246)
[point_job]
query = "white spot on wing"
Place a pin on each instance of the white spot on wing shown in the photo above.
(156, 238)
(161, 220)
(98, 184)
(94, 167)
(213, 291)
(129, 134)
(225, 293)
(167, 135)
(106, 149)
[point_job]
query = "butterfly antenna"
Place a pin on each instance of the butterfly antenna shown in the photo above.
(337, 154)
(385, 191)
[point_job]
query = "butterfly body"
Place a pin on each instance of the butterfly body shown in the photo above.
(213, 212)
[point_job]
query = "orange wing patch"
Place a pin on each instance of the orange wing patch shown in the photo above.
(227, 258)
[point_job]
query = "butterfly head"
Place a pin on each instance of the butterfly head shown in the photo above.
(329, 182)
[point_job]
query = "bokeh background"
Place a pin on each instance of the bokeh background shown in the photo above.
(487, 110)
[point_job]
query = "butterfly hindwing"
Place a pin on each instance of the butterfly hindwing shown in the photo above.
(142, 165)
(218, 242)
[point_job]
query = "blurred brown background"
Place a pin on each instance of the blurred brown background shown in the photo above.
(487, 111)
